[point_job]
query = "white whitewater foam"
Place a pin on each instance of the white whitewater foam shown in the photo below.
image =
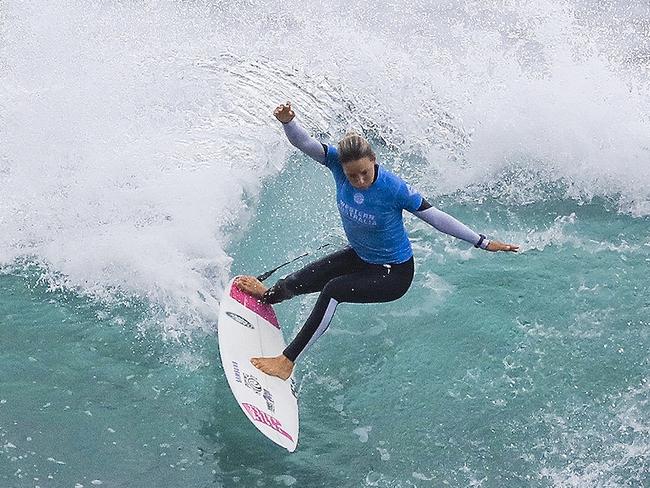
(136, 138)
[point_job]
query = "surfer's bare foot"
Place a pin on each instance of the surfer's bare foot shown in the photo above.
(280, 366)
(251, 285)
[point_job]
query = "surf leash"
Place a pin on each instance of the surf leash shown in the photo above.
(268, 273)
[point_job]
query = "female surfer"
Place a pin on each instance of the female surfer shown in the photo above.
(377, 266)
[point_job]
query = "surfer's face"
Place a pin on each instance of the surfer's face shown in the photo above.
(360, 172)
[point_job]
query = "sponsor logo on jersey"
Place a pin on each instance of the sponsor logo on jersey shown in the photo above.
(357, 215)
(240, 320)
(358, 198)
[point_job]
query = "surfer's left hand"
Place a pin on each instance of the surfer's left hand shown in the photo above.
(495, 246)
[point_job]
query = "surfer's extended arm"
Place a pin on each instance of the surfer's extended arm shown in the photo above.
(298, 136)
(449, 225)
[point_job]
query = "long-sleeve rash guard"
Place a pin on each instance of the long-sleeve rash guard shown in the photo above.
(372, 217)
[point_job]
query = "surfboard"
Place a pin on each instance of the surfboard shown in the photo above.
(248, 328)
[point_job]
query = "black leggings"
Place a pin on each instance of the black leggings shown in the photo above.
(340, 277)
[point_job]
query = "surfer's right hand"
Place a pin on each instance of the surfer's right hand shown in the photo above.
(284, 113)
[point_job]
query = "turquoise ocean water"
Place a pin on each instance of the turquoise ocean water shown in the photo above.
(140, 168)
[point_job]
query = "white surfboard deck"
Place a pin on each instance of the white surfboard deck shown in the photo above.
(248, 328)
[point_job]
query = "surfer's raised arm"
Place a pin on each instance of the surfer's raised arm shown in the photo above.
(298, 136)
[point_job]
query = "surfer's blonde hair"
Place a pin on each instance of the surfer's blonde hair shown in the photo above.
(353, 147)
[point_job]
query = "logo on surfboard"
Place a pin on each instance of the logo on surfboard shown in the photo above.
(240, 320)
(294, 390)
(264, 418)
(252, 382)
(270, 404)
(235, 368)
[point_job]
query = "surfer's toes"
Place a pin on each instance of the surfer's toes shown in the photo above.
(251, 285)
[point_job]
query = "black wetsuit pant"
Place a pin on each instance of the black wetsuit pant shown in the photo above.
(339, 277)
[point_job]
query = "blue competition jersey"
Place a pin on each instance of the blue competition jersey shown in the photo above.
(372, 218)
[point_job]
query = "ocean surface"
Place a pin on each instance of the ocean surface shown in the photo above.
(141, 167)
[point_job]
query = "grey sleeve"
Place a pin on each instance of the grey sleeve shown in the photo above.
(449, 225)
(301, 139)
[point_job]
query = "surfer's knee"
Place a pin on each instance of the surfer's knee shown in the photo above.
(332, 289)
